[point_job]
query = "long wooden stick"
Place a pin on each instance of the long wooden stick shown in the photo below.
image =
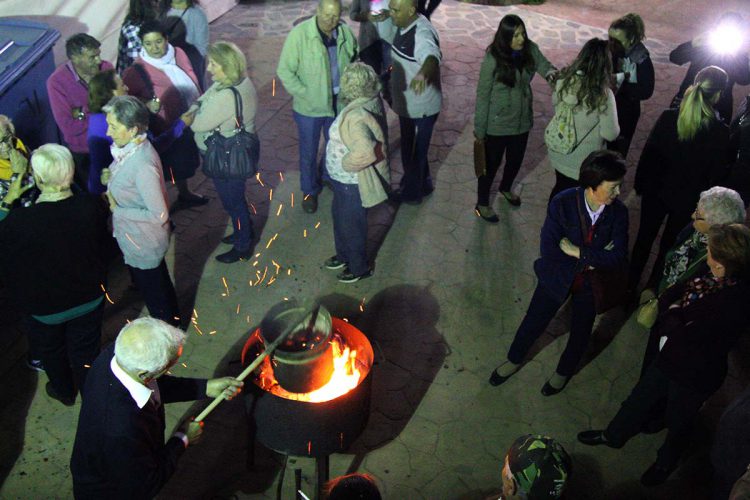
(256, 362)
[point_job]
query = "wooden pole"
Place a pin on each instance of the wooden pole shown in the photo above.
(257, 361)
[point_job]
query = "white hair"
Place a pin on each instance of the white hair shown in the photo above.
(150, 345)
(722, 205)
(53, 166)
(7, 124)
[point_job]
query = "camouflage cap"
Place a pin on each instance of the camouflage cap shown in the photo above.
(540, 466)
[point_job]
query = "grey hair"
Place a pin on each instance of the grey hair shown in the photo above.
(359, 80)
(155, 345)
(7, 124)
(129, 111)
(53, 166)
(722, 205)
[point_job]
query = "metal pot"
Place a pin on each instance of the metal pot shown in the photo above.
(304, 361)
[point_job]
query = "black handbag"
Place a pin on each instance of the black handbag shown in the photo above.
(234, 157)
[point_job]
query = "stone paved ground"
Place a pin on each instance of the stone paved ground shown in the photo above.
(447, 295)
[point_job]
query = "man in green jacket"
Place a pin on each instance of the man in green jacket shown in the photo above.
(312, 61)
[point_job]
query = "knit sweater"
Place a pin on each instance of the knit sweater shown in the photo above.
(593, 129)
(52, 254)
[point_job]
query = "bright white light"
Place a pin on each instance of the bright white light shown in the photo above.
(726, 39)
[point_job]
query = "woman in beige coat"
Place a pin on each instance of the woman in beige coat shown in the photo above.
(357, 164)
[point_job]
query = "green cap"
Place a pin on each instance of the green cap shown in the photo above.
(540, 466)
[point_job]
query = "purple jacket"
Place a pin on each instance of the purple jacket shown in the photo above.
(67, 91)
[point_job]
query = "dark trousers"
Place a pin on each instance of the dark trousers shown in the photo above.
(68, 350)
(495, 147)
(682, 408)
(653, 212)
(158, 292)
(628, 114)
(350, 227)
(416, 134)
(542, 309)
(378, 56)
(82, 163)
(562, 183)
(309, 129)
(232, 195)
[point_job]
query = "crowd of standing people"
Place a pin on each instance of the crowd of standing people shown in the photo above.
(133, 128)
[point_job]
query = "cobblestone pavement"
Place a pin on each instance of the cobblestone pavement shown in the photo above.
(441, 309)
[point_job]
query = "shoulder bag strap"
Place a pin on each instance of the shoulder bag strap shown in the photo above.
(146, 79)
(239, 119)
(174, 24)
(582, 219)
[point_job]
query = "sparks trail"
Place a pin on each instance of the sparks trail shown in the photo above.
(281, 176)
(362, 305)
(171, 173)
(270, 194)
(131, 241)
(255, 212)
(292, 200)
(273, 87)
(278, 212)
(317, 225)
(257, 176)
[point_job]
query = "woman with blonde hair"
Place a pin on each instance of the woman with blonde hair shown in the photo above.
(215, 110)
(583, 89)
(685, 154)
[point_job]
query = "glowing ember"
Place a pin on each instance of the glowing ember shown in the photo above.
(346, 375)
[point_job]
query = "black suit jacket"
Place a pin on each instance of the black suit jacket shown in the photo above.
(119, 449)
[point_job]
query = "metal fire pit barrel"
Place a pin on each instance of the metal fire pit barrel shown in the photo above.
(314, 429)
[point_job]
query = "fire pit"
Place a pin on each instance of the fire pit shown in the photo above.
(321, 421)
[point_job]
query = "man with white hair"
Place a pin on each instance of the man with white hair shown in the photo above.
(119, 449)
(313, 58)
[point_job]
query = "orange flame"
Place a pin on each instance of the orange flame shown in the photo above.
(346, 376)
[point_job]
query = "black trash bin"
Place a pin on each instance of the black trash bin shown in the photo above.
(26, 61)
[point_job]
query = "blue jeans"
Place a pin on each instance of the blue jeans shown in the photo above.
(158, 292)
(232, 195)
(350, 227)
(416, 134)
(542, 309)
(309, 128)
(68, 349)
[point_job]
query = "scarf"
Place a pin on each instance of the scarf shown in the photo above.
(700, 287)
(691, 251)
(119, 154)
(168, 65)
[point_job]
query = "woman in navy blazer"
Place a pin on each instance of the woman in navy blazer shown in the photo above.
(568, 253)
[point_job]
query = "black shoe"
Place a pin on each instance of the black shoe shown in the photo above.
(595, 438)
(655, 475)
(35, 365)
(310, 203)
(191, 201)
(233, 256)
(334, 263)
(486, 213)
(511, 198)
(497, 379)
(348, 277)
(51, 392)
(228, 240)
(548, 390)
